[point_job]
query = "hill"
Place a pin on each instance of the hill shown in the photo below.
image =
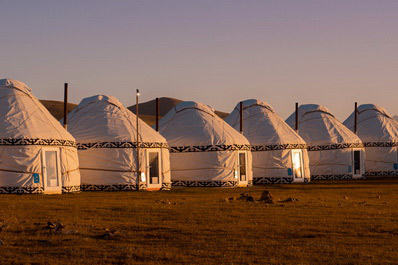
(147, 110)
(56, 108)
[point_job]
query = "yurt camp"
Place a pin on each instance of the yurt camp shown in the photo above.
(204, 150)
(37, 154)
(334, 151)
(279, 153)
(106, 135)
(379, 133)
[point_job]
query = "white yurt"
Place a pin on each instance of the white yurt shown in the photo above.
(37, 154)
(335, 152)
(106, 136)
(205, 151)
(279, 153)
(379, 133)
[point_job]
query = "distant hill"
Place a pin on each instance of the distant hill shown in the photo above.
(147, 110)
(56, 108)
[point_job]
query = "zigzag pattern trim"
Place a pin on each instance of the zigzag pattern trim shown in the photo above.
(272, 180)
(166, 186)
(332, 177)
(380, 144)
(275, 180)
(214, 183)
(209, 148)
(114, 187)
(36, 141)
(335, 146)
(381, 173)
(70, 189)
(259, 148)
(85, 146)
(21, 190)
(118, 187)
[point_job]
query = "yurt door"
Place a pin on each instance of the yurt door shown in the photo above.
(297, 163)
(242, 168)
(51, 170)
(356, 163)
(154, 180)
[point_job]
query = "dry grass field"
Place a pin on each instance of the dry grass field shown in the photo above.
(332, 222)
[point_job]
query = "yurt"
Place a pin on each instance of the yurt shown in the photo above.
(379, 133)
(334, 151)
(279, 153)
(106, 135)
(204, 150)
(37, 154)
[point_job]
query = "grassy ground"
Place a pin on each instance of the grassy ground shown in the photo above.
(335, 222)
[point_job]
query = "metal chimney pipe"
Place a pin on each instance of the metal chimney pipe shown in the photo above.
(66, 105)
(296, 113)
(157, 114)
(356, 117)
(241, 117)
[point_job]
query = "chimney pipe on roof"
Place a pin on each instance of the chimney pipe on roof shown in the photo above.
(356, 118)
(241, 117)
(296, 113)
(66, 105)
(157, 114)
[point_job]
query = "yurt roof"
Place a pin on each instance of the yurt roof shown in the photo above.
(374, 124)
(318, 126)
(192, 123)
(103, 118)
(261, 125)
(23, 116)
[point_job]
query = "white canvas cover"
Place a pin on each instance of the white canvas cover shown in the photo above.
(332, 147)
(379, 133)
(275, 146)
(37, 155)
(204, 149)
(106, 134)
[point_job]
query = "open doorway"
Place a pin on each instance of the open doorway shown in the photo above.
(51, 170)
(356, 163)
(242, 168)
(154, 180)
(297, 164)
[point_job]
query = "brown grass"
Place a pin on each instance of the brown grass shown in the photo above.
(199, 227)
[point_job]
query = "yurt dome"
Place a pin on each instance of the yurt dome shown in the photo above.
(204, 150)
(37, 154)
(279, 153)
(106, 135)
(334, 151)
(379, 133)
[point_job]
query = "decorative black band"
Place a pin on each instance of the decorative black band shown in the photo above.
(166, 186)
(119, 187)
(21, 190)
(208, 148)
(332, 177)
(37, 141)
(70, 189)
(380, 144)
(381, 173)
(115, 187)
(85, 146)
(214, 183)
(257, 148)
(335, 146)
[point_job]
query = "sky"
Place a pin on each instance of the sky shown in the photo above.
(218, 52)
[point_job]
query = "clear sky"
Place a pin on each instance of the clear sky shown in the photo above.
(214, 51)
